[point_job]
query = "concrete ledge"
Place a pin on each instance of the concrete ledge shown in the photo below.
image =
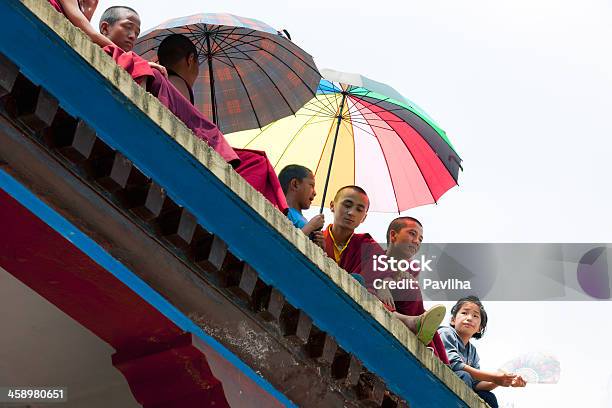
(151, 107)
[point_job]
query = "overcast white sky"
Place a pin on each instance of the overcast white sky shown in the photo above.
(523, 89)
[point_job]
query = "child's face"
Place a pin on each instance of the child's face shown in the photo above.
(350, 208)
(305, 191)
(408, 239)
(124, 32)
(467, 321)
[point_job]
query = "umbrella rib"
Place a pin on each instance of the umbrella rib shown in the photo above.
(245, 90)
(240, 41)
(271, 37)
(157, 40)
(270, 79)
(316, 112)
(366, 109)
(400, 120)
(321, 104)
(366, 122)
(356, 124)
(293, 139)
(385, 156)
(224, 36)
(416, 162)
(329, 104)
(261, 69)
(320, 121)
(258, 34)
(261, 131)
(324, 146)
(399, 108)
(277, 59)
(359, 97)
(348, 129)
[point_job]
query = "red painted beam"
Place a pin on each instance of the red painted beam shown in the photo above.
(164, 366)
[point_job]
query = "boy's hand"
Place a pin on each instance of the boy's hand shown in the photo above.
(160, 68)
(504, 379)
(385, 296)
(318, 238)
(316, 222)
(518, 382)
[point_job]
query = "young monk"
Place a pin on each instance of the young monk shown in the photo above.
(80, 12)
(180, 57)
(121, 26)
(404, 237)
(354, 253)
(350, 208)
(298, 184)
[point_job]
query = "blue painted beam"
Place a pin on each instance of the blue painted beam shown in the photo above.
(127, 277)
(49, 61)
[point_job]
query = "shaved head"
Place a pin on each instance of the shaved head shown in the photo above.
(399, 223)
(174, 48)
(354, 188)
(113, 14)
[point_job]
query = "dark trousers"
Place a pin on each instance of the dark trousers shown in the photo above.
(487, 396)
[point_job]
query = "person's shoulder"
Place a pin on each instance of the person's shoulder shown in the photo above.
(447, 330)
(364, 238)
(296, 217)
(294, 212)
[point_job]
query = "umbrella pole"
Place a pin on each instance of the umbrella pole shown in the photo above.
(211, 80)
(331, 160)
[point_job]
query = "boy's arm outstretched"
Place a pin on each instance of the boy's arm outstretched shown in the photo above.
(75, 15)
(488, 380)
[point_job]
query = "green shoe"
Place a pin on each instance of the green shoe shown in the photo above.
(429, 322)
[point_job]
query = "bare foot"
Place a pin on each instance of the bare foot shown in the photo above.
(409, 321)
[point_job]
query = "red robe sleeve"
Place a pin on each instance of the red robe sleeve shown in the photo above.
(134, 64)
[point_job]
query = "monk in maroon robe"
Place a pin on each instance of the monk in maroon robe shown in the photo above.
(342, 244)
(179, 56)
(120, 26)
(404, 237)
(355, 254)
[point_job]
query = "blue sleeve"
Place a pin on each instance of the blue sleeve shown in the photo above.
(296, 218)
(476, 359)
(452, 349)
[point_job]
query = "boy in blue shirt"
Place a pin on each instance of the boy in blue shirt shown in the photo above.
(298, 184)
(469, 319)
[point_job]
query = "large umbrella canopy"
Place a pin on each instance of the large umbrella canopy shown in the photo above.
(384, 143)
(249, 76)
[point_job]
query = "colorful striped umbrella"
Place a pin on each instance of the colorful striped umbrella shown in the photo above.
(250, 74)
(359, 131)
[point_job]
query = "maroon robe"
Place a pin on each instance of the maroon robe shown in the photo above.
(414, 307)
(56, 5)
(357, 257)
(136, 66)
(204, 129)
(252, 165)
